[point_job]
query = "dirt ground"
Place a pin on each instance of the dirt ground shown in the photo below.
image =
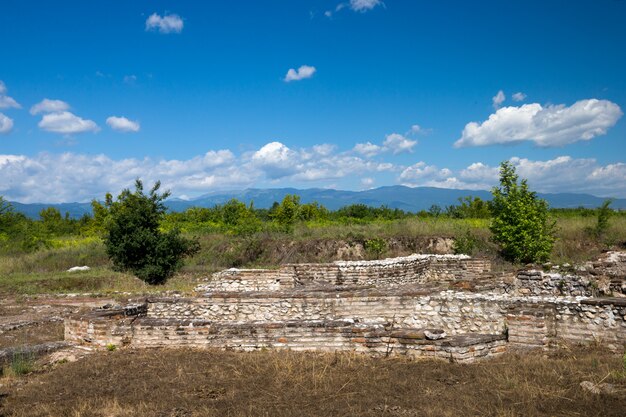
(182, 383)
(28, 321)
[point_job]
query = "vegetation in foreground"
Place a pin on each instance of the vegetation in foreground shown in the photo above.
(214, 383)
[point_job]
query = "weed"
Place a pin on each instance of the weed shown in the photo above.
(21, 364)
(465, 244)
(111, 347)
(375, 247)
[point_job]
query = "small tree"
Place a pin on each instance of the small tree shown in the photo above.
(286, 213)
(604, 212)
(133, 239)
(520, 221)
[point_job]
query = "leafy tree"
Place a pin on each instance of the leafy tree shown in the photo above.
(520, 223)
(239, 218)
(604, 212)
(470, 208)
(133, 239)
(52, 221)
(435, 210)
(286, 213)
(312, 211)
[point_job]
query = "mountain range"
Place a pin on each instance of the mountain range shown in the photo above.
(397, 196)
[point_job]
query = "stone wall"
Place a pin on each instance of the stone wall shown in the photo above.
(387, 273)
(379, 307)
(606, 276)
(545, 323)
(452, 312)
(529, 321)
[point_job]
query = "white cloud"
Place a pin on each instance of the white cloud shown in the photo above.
(394, 142)
(361, 6)
(305, 71)
(276, 159)
(49, 106)
(368, 149)
(66, 123)
(422, 173)
(397, 143)
(130, 79)
(122, 124)
(415, 129)
(170, 23)
(546, 126)
(498, 99)
(561, 174)
(76, 177)
(6, 124)
(7, 102)
(364, 5)
(519, 96)
(367, 182)
(324, 149)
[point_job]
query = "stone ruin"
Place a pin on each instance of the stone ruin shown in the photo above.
(451, 307)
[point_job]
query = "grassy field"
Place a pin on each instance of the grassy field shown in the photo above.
(43, 271)
(176, 383)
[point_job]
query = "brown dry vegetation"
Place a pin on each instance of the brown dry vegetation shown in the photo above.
(214, 383)
(33, 334)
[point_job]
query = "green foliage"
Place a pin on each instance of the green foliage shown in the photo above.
(135, 243)
(465, 244)
(239, 218)
(470, 208)
(286, 213)
(21, 364)
(520, 224)
(312, 212)
(375, 247)
(435, 210)
(604, 213)
(111, 347)
(363, 214)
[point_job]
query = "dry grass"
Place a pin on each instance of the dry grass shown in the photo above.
(97, 281)
(32, 335)
(213, 383)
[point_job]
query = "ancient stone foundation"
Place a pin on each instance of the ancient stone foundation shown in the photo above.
(442, 306)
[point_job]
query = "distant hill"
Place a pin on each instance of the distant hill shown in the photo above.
(397, 196)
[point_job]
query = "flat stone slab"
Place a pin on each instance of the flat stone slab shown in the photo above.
(616, 301)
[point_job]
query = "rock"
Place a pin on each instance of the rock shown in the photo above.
(434, 334)
(601, 388)
(78, 268)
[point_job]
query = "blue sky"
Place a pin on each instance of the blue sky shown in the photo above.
(210, 96)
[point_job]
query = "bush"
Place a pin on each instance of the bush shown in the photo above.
(375, 247)
(133, 239)
(465, 244)
(604, 212)
(520, 223)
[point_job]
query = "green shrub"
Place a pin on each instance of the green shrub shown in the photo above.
(375, 247)
(520, 224)
(21, 364)
(286, 213)
(465, 244)
(134, 241)
(604, 213)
